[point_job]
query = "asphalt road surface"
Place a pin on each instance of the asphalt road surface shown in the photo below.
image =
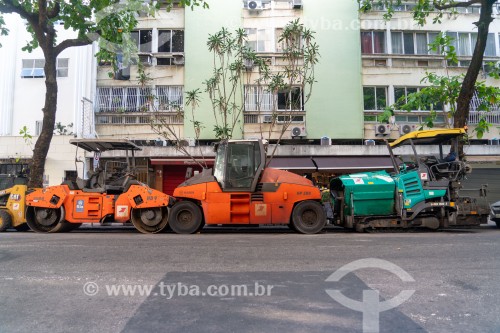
(117, 280)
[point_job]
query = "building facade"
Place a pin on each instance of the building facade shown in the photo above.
(365, 64)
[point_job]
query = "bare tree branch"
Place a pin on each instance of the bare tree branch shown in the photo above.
(70, 43)
(455, 5)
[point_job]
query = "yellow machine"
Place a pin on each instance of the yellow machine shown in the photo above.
(12, 203)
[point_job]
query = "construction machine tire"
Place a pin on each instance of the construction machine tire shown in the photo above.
(185, 218)
(150, 220)
(308, 217)
(497, 222)
(45, 220)
(22, 227)
(5, 220)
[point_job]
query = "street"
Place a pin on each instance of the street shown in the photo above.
(97, 280)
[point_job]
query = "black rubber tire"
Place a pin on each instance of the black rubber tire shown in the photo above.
(185, 217)
(5, 220)
(309, 217)
(22, 227)
(497, 222)
(156, 223)
(36, 226)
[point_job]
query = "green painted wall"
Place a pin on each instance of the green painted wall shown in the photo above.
(199, 62)
(336, 105)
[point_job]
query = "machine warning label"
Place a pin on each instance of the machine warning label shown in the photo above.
(260, 210)
(15, 206)
(79, 206)
(358, 180)
(121, 211)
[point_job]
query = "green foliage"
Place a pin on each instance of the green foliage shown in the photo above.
(61, 129)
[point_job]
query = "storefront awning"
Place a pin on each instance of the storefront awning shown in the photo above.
(295, 164)
(180, 161)
(353, 163)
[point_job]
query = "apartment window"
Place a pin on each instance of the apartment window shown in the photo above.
(143, 40)
(170, 41)
(258, 99)
(375, 98)
(401, 97)
(373, 42)
(124, 99)
(139, 99)
(290, 100)
(34, 68)
(490, 50)
(412, 42)
(259, 40)
(464, 42)
(169, 98)
(62, 67)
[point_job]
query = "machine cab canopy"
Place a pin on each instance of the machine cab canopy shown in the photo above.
(428, 137)
(102, 145)
(239, 163)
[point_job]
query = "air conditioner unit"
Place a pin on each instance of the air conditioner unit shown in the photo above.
(297, 4)
(267, 119)
(254, 5)
(298, 131)
(249, 64)
(382, 129)
(178, 59)
(407, 128)
(146, 59)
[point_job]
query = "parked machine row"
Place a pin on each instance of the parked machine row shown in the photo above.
(240, 190)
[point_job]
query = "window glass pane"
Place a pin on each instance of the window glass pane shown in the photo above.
(116, 99)
(378, 42)
(63, 62)
(473, 41)
(422, 46)
(411, 91)
(39, 63)
(38, 72)
(463, 44)
(131, 101)
(432, 38)
(366, 43)
(369, 98)
(164, 37)
(413, 119)
(397, 42)
(381, 98)
(262, 40)
(454, 40)
(252, 38)
(28, 63)
(296, 99)
(408, 40)
(398, 93)
(177, 41)
(282, 100)
(134, 35)
(145, 40)
(490, 46)
(62, 72)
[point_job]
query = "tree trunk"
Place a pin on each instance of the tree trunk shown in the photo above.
(468, 85)
(49, 119)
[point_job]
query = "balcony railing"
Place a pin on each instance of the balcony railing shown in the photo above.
(138, 118)
(493, 117)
